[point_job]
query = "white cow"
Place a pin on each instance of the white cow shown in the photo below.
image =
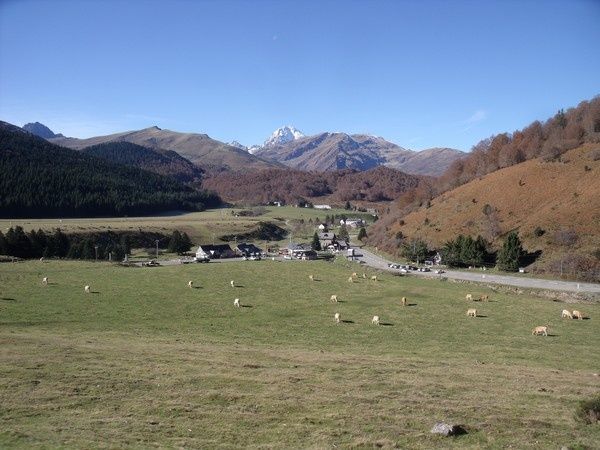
(375, 320)
(236, 303)
(337, 317)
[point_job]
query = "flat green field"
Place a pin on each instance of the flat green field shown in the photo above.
(202, 227)
(145, 361)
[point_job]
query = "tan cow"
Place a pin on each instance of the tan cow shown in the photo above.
(333, 298)
(337, 317)
(540, 330)
(577, 315)
(471, 312)
(566, 313)
(403, 301)
(469, 297)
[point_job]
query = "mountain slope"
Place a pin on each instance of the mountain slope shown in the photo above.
(40, 179)
(335, 151)
(553, 195)
(200, 149)
(375, 185)
(163, 162)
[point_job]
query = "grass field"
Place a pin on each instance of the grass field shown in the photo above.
(202, 227)
(144, 361)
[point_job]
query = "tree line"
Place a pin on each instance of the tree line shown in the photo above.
(102, 246)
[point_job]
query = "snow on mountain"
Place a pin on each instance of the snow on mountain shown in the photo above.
(283, 135)
(238, 145)
(253, 149)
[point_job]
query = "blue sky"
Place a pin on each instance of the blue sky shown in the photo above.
(418, 73)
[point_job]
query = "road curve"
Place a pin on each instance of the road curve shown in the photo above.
(378, 262)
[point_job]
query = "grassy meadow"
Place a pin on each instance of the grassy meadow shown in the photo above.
(202, 227)
(145, 361)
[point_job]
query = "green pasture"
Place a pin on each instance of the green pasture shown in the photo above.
(145, 361)
(202, 227)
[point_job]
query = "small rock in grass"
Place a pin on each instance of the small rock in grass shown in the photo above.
(447, 430)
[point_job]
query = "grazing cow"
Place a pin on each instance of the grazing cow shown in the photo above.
(375, 320)
(540, 330)
(403, 301)
(311, 278)
(484, 298)
(190, 284)
(566, 313)
(333, 298)
(337, 317)
(232, 283)
(374, 278)
(577, 315)
(471, 312)
(236, 303)
(364, 275)
(354, 275)
(350, 280)
(87, 289)
(45, 281)
(469, 297)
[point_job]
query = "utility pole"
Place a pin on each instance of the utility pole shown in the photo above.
(96, 248)
(156, 248)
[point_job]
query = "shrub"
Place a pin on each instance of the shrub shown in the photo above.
(588, 411)
(539, 231)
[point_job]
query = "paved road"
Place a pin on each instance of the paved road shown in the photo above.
(378, 262)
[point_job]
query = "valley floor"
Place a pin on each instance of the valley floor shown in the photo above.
(145, 361)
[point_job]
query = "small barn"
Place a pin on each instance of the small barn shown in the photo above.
(215, 251)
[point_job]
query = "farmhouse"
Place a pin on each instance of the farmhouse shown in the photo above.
(323, 227)
(215, 251)
(246, 249)
(353, 222)
(301, 251)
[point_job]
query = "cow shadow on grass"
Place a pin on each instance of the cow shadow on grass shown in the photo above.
(347, 321)
(197, 287)
(8, 299)
(411, 304)
(246, 306)
(386, 324)
(483, 316)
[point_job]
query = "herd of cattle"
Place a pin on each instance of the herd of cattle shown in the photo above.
(471, 312)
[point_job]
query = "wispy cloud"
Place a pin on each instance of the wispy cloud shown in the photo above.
(478, 116)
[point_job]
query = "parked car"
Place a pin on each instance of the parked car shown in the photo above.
(424, 269)
(151, 263)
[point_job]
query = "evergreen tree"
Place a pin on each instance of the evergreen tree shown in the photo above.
(316, 243)
(343, 234)
(125, 244)
(362, 234)
(61, 243)
(3, 245)
(347, 206)
(186, 243)
(174, 242)
(415, 250)
(509, 257)
(87, 250)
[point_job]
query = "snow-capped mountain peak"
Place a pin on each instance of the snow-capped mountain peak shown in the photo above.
(283, 135)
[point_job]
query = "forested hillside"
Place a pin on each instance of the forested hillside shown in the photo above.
(163, 162)
(565, 131)
(375, 185)
(40, 179)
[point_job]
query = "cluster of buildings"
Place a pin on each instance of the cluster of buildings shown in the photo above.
(328, 240)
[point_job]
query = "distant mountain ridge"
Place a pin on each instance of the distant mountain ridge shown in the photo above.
(41, 130)
(287, 146)
(200, 149)
(336, 151)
